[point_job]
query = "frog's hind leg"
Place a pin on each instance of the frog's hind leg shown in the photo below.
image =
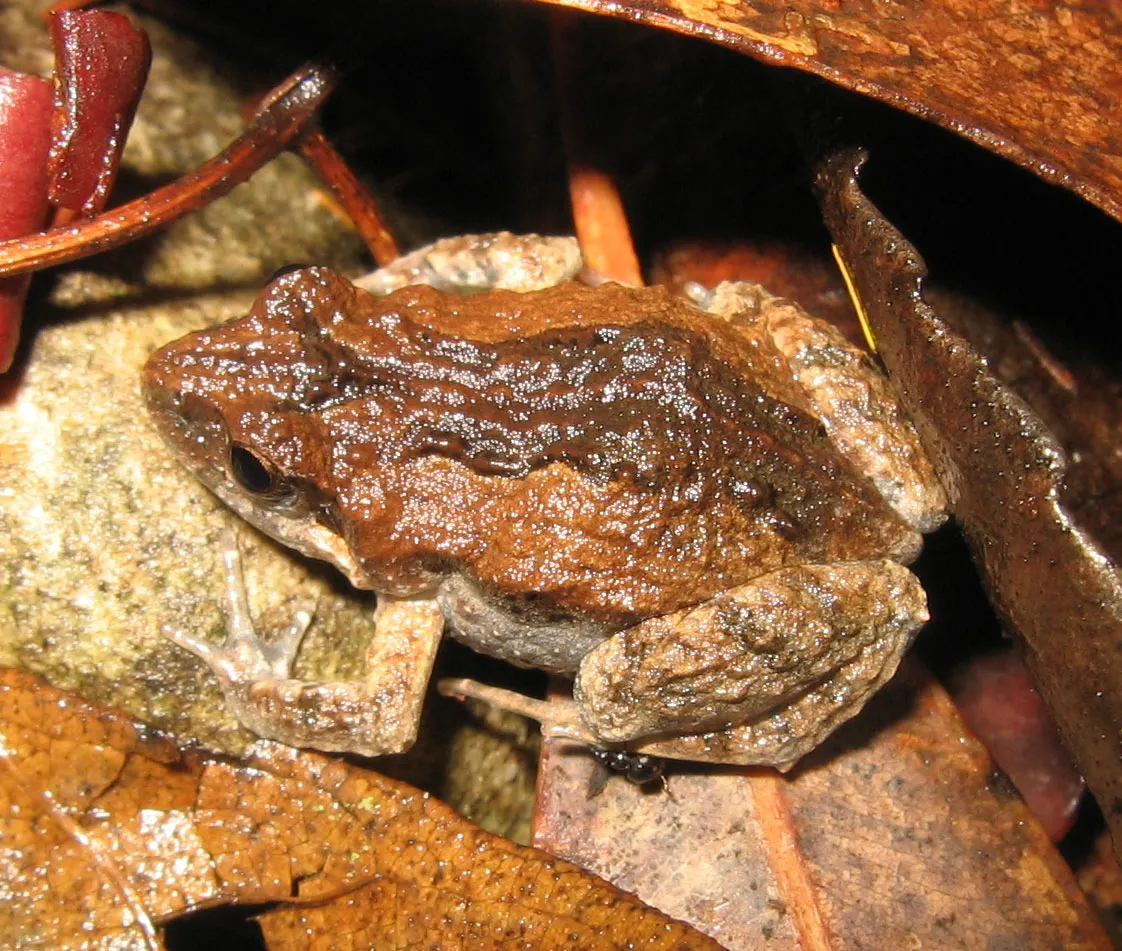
(371, 717)
(839, 385)
(482, 262)
(758, 674)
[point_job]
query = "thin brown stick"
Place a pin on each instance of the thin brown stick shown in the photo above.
(601, 226)
(287, 112)
(788, 863)
(316, 149)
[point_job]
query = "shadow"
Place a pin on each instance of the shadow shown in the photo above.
(226, 928)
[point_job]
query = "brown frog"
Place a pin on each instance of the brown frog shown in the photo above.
(701, 515)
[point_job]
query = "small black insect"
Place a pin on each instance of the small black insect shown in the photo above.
(638, 768)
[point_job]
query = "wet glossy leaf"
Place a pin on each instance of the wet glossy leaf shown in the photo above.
(106, 833)
(1004, 471)
(25, 118)
(101, 63)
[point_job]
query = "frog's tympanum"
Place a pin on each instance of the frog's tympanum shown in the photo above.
(700, 511)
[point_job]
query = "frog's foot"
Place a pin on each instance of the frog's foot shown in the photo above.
(244, 656)
(759, 674)
(371, 717)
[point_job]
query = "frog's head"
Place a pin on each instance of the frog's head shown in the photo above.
(231, 403)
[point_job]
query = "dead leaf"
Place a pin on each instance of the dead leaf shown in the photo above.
(898, 832)
(1004, 472)
(105, 833)
(1039, 85)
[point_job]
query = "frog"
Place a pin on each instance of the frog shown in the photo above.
(698, 507)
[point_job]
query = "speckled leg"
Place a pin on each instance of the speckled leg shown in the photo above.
(482, 262)
(837, 383)
(758, 675)
(773, 666)
(372, 717)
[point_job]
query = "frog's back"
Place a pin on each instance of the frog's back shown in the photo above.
(611, 451)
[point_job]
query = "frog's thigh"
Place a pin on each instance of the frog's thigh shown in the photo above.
(840, 386)
(371, 717)
(796, 652)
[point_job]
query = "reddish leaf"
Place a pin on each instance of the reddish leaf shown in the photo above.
(25, 116)
(101, 64)
(997, 699)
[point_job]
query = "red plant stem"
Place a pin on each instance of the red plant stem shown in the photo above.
(285, 115)
(316, 149)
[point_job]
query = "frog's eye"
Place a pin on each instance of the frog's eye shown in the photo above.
(251, 473)
(260, 478)
(286, 269)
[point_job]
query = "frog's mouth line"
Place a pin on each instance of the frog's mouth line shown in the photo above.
(306, 536)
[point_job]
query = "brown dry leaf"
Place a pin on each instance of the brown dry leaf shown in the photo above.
(105, 833)
(1038, 84)
(1050, 581)
(899, 832)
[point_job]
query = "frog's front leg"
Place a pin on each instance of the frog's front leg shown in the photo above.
(371, 717)
(764, 671)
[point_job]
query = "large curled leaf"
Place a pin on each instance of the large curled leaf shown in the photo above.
(1038, 84)
(1050, 581)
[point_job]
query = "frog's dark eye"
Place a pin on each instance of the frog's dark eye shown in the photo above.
(251, 473)
(287, 269)
(260, 478)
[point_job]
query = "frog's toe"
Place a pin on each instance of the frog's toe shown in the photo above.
(245, 655)
(204, 650)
